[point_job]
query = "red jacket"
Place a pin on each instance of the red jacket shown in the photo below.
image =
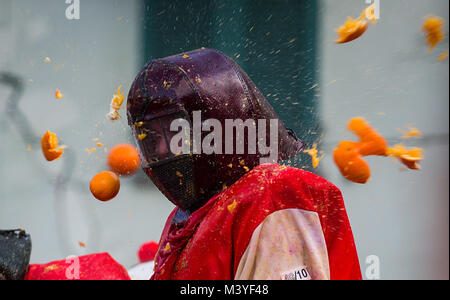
(276, 222)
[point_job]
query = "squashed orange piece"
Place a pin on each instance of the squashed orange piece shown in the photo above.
(59, 95)
(432, 27)
(313, 153)
(354, 28)
(116, 104)
(50, 148)
(105, 186)
(370, 141)
(348, 155)
(350, 163)
(351, 30)
(409, 157)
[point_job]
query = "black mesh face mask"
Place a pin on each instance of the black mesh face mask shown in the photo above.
(164, 144)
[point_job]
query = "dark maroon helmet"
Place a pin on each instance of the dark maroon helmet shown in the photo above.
(205, 82)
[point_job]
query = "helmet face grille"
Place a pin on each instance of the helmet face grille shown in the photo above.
(175, 178)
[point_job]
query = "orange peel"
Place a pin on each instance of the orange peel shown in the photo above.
(409, 157)
(50, 148)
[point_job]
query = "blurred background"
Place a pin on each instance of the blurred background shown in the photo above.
(287, 48)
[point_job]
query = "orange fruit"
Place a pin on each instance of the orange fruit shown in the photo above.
(354, 28)
(371, 142)
(124, 159)
(348, 156)
(351, 30)
(50, 149)
(350, 162)
(105, 186)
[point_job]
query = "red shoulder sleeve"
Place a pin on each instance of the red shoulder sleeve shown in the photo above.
(270, 188)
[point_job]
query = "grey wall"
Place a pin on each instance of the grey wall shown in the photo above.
(93, 56)
(387, 77)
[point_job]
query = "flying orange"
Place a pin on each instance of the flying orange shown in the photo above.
(124, 159)
(50, 148)
(354, 28)
(105, 186)
(348, 156)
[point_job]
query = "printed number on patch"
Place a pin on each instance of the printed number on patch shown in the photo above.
(300, 273)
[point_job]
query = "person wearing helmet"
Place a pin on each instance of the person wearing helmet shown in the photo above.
(210, 142)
